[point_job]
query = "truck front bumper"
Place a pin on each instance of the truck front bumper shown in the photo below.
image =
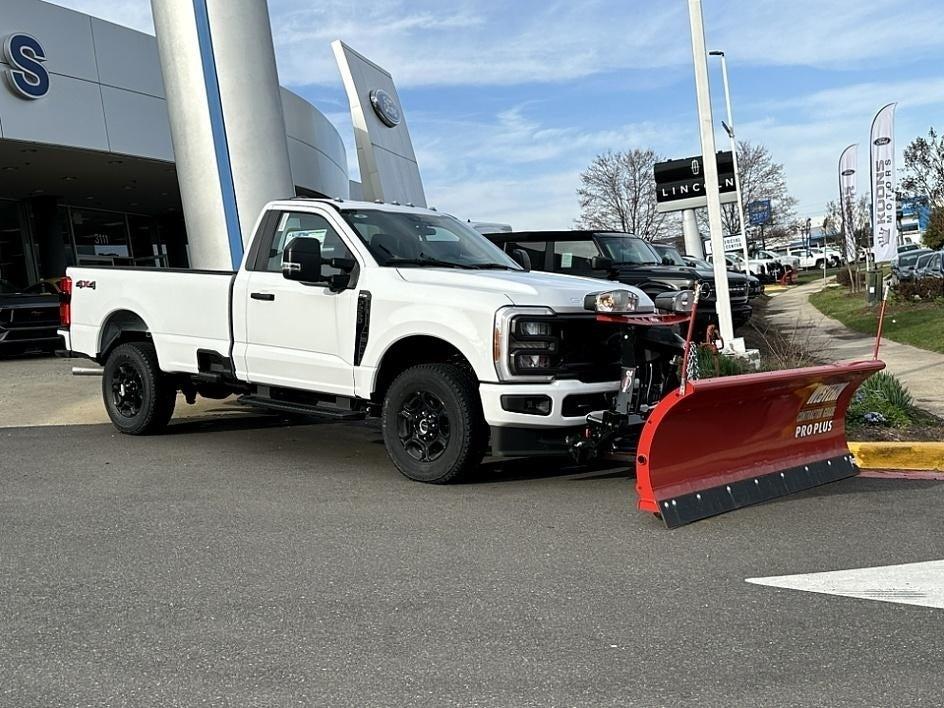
(561, 404)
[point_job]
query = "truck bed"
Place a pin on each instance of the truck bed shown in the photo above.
(184, 310)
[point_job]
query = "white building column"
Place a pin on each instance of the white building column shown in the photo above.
(226, 120)
(693, 244)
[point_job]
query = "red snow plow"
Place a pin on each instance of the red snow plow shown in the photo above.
(707, 446)
(729, 442)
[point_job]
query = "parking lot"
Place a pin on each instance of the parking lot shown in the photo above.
(236, 560)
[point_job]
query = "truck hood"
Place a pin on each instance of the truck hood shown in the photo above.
(675, 274)
(562, 293)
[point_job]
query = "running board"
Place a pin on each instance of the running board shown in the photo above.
(320, 409)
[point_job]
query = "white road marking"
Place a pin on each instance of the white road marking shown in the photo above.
(909, 584)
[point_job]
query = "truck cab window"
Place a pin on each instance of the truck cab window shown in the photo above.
(574, 256)
(292, 225)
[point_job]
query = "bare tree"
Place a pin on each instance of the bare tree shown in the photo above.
(618, 192)
(861, 222)
(924, 167)
(759, 177)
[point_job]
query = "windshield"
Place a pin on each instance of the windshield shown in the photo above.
(397, 239)
(628, 250)
(671, 253)
(909, 258)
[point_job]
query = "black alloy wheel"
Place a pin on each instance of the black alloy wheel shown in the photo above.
(138, 396)
(127, 390)
(432, 421)
(423, 427)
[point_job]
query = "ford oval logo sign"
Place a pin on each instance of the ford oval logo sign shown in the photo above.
(386, 108)
(26, 75)
(846, 173)
(882, 141)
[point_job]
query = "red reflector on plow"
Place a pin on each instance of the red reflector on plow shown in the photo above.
(738, 440)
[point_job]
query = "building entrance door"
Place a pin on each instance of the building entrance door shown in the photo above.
(15, 260)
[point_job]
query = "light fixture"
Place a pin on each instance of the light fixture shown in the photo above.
(68, 179)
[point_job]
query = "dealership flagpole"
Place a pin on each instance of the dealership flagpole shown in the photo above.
(729, 129)
(710, 162)
(882, 174)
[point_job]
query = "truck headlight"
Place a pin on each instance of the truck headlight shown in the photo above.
(612, 301)
(527, 344)
(534, 328)
(680, 301)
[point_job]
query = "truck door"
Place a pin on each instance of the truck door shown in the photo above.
(298, 336)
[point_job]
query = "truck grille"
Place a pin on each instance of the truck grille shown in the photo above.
(590, 351)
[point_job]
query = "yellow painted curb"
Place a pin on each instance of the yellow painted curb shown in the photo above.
(774, 288)
(899, 456)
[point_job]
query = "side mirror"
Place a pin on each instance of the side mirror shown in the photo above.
(301, 260)
(601, 263)
(521, 257)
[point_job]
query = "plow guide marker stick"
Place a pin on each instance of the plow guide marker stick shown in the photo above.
(733, 441)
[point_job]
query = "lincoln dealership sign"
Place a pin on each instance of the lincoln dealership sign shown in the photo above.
(27, 76)
(680, 184)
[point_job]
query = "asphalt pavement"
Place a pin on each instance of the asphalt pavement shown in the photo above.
(237, 561)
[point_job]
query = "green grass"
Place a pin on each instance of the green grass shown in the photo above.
(809, 276)
(918, 324)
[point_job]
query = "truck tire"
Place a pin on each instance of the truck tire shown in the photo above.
(139, 398)
(432, 423)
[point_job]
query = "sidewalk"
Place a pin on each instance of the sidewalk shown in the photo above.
(920, 370)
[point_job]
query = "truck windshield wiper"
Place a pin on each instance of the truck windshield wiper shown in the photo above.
(490, 266)
(424, 261)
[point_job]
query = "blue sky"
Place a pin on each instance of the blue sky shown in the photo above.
(508, 101)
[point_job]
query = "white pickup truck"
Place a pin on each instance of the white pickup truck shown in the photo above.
(350, 309)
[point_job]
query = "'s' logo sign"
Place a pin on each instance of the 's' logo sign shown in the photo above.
(27, 75)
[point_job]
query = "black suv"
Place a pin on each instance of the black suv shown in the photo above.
(627, 259)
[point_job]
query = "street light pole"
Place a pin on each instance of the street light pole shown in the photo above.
(729, 129)
(710, 163)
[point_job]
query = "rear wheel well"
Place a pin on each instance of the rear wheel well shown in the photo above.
(415, 350)
(120, 327)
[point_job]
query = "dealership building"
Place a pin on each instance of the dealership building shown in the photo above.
(87, 173)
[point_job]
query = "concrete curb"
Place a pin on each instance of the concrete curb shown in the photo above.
(927, 456)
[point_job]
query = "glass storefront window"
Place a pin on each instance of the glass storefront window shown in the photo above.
(146, 246)
(101, 237)
(13, 255)
(66, 234)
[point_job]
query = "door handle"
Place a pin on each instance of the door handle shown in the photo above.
(266, 297)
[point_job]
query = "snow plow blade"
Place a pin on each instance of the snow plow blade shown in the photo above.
(733, 441)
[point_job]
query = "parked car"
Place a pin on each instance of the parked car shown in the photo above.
(627, 259)
(928, 266)
(903, 266)
(907, 247)
(834, 258)
(784, 259)
(670, 254)
(755, 287)
(807, 258)
(29, 318)
(767, 271)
